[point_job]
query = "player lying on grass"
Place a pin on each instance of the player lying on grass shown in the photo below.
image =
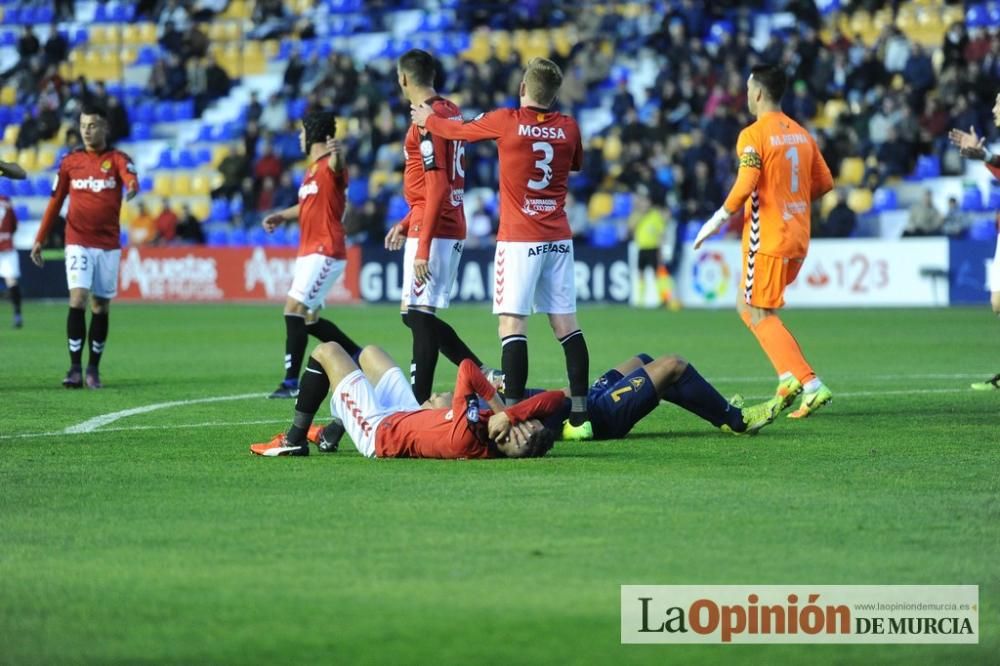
(375, 404)
(630, 391)
(622, 397)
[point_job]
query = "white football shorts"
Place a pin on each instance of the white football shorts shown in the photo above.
(362, 407)
(534, 277)
(93, 269)
(443, 262)
(10, 265)
(315, 275)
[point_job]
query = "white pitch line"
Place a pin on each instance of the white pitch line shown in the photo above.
(172, 426)
(99, 421)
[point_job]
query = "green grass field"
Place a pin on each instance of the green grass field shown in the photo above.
(157, 538)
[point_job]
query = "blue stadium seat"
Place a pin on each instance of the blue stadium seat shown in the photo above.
(12, 16)
(276, 238)
(994, 200)
(928, 166)
(284, 50)
(604, 234)
(236, 207)
(8, 38)
(141, 131)
(22, 212)
(219, 211)
(217, 236)
(24, 188)
(257, 236)
(884, 199)
(147, 55)
(165, 112)
(972, 199)
(338, 26)
(80, 36)
(238, 237)
(146, 182)
(6, 187)
(622, 206)
(976, 16)
(186, 159)
(101, 13)
(357, 191)
(166, 160)
(45, 14)
(184, 110)
(144, 113)
(203, 155)
(205, 134)
(292, 236)
(43, 186)
(123, 237)
(122, 13)
(397, 209)
(994, 13)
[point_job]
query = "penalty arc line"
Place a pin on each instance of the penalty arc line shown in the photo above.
(93, 424)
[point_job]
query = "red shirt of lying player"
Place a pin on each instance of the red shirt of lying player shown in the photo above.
(462, 431)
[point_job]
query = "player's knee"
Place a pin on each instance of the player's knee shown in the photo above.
(995, 301)
(99, 305)
(327, 351)
(744, 314)
(371, 357)
(673, 366)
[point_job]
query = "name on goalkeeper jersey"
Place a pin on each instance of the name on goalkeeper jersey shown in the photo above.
(788, 139)
(94, 184)
(536, 132)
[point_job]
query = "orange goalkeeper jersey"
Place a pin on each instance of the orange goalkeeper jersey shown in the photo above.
(781, 173)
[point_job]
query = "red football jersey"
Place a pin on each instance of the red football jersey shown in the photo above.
(8, 224)
(538, 148)
(447, 433)
(93, 181)
(434, 182)
(322, 200)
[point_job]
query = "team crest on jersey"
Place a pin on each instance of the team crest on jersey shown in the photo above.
(637, 382)
(540, 117)
(106, 165)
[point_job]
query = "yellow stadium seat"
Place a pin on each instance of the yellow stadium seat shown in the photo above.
(8, 95)
(216, 180)
(502, 44)
(163, 185)
(600, 206)
(254, 63)
(101, 35)
(231, 63)
(201, 208)
(833, 109)
(612, 150)
(10, 135)
(860, 21)
(860, 200)
(182, 185)
(852, 171)
(154, 206)
(130, 35)
(27, 159)
(200, 185)
(828, 201)
(271, 48)
(8, 154)
(147, 33)
(46, 157)
(219, 153)
(128, 55)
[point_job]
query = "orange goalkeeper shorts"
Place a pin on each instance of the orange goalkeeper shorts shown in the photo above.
(764, 282)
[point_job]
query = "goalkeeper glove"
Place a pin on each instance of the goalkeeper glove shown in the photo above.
(713, 224)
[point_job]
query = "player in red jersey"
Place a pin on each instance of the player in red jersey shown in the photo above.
(434, 230)
(534, 268)
(322, 253)
(92, 177)
(973, 147)
(384, 420)
(10, 267)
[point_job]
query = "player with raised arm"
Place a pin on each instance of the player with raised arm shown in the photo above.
(10, 267)
(433, 232)
(92, 177)
(781, 172)
(322, 253)
(384, 420)
(973, 147)
(533, 266)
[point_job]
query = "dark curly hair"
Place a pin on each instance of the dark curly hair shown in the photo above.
(539, 443)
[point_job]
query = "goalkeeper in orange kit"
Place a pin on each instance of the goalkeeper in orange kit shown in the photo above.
(781, 172)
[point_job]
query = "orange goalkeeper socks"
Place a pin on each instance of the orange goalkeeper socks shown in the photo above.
(782, 349)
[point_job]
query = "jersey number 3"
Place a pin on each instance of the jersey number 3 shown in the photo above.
(545, 149)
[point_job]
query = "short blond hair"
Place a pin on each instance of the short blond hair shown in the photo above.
(542, 78)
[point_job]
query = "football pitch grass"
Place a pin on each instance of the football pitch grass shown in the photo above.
(155, 537)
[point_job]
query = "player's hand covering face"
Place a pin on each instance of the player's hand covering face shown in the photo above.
(515, 445)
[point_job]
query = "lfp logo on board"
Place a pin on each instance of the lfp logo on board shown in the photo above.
(711, 276)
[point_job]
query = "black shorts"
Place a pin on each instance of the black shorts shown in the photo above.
(649, 259)
(617, 402)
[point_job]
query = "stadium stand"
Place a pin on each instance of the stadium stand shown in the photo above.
(658, 88)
